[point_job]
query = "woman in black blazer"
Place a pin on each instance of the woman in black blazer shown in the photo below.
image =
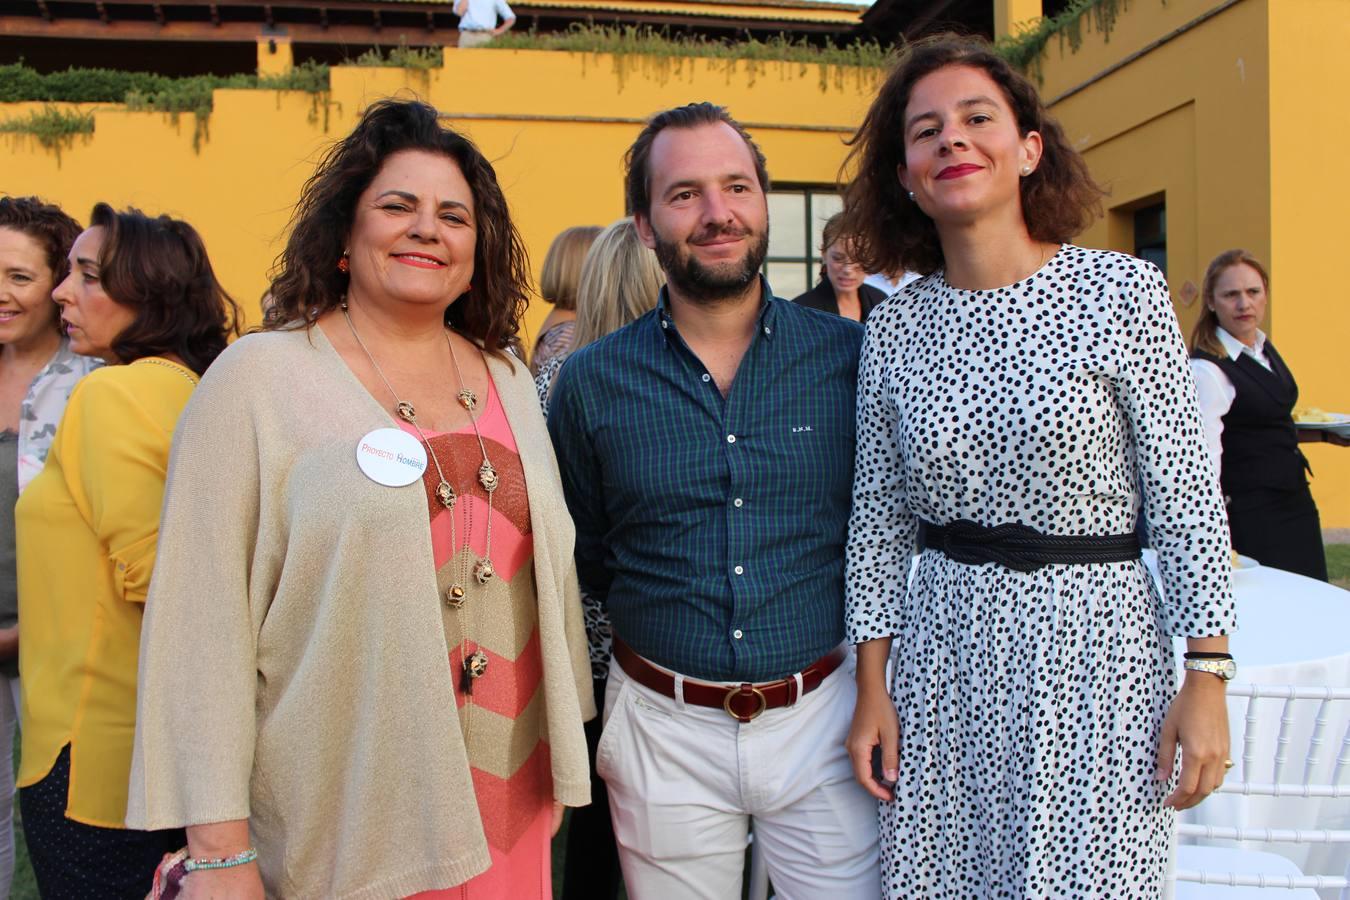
(1247, 396)
(841, 289)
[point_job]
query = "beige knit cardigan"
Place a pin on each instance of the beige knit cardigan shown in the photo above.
(294, 668)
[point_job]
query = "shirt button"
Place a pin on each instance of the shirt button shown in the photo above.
(731, 439)
(738, 634)
(738, 503)
(665, 324)
(768, 330)
(739, 570)
(707, 377)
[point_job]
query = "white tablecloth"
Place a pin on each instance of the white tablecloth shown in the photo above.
(1291, 631)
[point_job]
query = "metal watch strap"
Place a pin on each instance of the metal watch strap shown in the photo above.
(1222, 668)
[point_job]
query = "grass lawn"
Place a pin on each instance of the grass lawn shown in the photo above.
(1338, 564)
(24, 887)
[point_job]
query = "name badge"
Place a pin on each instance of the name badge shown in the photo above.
(391, 457)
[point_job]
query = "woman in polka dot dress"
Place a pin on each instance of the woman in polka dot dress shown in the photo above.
(1033, 720)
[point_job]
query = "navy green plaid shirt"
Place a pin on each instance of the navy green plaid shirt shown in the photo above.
(713, 529)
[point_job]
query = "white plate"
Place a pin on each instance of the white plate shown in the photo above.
(1244, 563)
(1338, 420)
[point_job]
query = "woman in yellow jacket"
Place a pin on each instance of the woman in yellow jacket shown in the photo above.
(140, 295)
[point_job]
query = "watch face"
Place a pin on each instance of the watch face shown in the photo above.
(1229, 670)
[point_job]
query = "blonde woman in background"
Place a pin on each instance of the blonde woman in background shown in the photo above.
(558, 285)
(620, 280)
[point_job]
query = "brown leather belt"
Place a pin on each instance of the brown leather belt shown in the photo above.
(743, 702)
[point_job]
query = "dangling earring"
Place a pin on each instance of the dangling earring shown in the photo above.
(343, 265)
(911, 196)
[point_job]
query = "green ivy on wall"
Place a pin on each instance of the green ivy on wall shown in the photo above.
(1026, 49)
(54, 128)
(653, 52)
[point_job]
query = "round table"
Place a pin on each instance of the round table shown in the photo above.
(1292, 630)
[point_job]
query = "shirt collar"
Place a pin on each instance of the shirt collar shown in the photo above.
(767, 319)
(1235, 348)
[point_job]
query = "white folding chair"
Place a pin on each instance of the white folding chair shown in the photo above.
(1320, 777)
(1228, 860)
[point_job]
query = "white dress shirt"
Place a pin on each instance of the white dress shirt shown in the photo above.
(1216, 391)
(888, 287)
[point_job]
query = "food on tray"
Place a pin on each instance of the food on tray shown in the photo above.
(1311, 415)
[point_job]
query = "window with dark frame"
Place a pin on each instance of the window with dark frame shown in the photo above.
(797, 214)
(1150, 234)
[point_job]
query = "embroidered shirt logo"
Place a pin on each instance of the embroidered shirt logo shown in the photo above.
(798, 429)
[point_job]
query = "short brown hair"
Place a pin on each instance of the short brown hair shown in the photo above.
(830, 232)
(307, 283)
(45, 223)
(562, 265)
(1059, 199)
(692, 115)
(1204, 337)
(158, 268)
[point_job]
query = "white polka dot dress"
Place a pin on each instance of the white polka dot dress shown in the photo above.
(1031, 704)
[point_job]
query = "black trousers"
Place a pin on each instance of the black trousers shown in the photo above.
(74, 861)
(1280, 529)
(591, 866)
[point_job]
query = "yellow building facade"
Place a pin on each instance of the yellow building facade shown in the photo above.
(555, 125)
(1205, 108)
(1216, 111)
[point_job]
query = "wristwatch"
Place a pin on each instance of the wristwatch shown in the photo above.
(1224, 668)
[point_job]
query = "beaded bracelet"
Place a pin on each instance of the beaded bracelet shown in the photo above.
(229, 862)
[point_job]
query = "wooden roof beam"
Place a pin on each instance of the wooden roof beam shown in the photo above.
(227, 32)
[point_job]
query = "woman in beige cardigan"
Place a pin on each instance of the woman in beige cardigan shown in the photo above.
(364, 531)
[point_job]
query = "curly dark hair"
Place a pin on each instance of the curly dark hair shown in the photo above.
(158, 268)
(45, 223)
(306, 282)
(1059, 199)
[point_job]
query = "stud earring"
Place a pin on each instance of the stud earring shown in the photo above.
(911, 196)
(1026, 170)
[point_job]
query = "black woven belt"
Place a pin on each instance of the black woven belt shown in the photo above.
(1022, 548)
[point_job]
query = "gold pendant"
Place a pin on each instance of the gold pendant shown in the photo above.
(483, 571)
(468, 399)
(487, 477)
(446, 494)
(476, 665)
(454, 596)
(405, 411)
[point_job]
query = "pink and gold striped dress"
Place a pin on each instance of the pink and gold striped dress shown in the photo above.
(504, 722)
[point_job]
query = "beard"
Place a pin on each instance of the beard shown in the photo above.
(707, 285)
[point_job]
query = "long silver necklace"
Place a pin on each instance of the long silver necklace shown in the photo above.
(475, 663)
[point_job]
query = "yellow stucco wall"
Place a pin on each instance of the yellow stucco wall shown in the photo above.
(1217, 119)
(555, 124)
(1309, 197)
